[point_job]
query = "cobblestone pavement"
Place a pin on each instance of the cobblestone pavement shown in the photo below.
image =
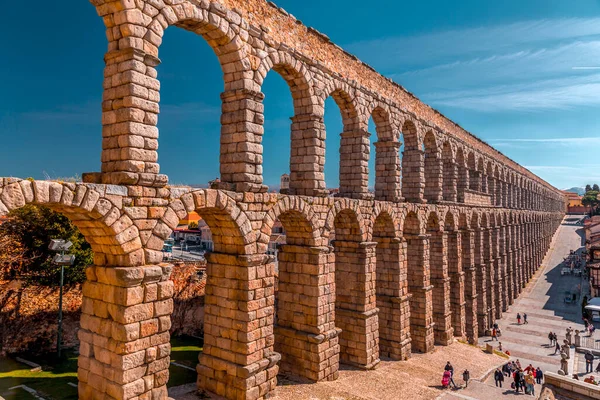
(543, 301)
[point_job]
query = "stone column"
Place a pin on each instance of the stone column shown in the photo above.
(504, 194)
(305, 332)
(489, 260)
(354, 164)
(355, 303)
(498, 276)
(481, 275)
(491, 189)
(457, 284)
(124, 335)
(421, 307)
(467, 242)
(463, 183)
(238, 361)
(387, 171)
(504, 261)
(438, 262)
(433, 177)
(450, 180)
(307, 161)
(129, 118)
(241, 141)
(413, 176)
(393, 299)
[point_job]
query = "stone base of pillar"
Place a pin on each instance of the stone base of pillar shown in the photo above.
(394, 328)
(443, 335)
(315, 356)
(233, 381)
(124, 335)
(359, 339)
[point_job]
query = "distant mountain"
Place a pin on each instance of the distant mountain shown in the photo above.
(579, 190)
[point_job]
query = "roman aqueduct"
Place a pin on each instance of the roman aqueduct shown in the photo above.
(452, 212)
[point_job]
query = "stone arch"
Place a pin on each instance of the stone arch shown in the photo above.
(389, 216)
(344, 97)
(351, 210)
(231, 230)
(131, 87)
(299, 219)
(111, 234)
(433, 173)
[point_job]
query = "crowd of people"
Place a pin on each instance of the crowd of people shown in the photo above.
(523, 379)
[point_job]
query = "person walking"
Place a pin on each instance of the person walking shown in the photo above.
(539, 375)
(498, 377)
(518, 318)
(556, 348)
(551, 338)
(494, 334)
(525, 318)
(466, 377)
(450, 369)
(589, 361)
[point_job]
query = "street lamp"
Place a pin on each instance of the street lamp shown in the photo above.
(60, 246)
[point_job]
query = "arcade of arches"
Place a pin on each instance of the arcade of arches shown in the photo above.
(452, 212)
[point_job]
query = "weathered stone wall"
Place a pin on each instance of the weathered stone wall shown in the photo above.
(393, 261)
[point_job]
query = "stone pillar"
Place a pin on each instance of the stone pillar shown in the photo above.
(488, 259)
(467, 242)
(124, 336)
(498, 276)
(457, 284)
(505, 271)
(433, 177)
(413, 176)
(421, 307)
(307, 161)
(305, 332)
(387, 171)
(238, 361)
(355, 303)
(129, 118)
(450, 180)
(463, 183)
(438, 262)
(504, 194)
(241, 141)
(354, 164)
(393, 299)
(480, 276)
(491, 189)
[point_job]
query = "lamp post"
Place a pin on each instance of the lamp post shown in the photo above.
(60, 246)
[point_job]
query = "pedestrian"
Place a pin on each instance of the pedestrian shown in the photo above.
(498, 377)
(530, 384)
(518, 364)
(589, 361)
(539, 375)
(518, 318)
(466, 377)
(516, 381)
(555, 338)
(499, 346)
(525, 318)
(551, 338)
(450, 369)
(556, 348)
(494, 334)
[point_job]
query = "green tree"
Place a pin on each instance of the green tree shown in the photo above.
(588, 188)
(596, 188)
(32, 227)
(590, 199)
(193, 225)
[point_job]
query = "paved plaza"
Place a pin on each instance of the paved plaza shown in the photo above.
(543, 301)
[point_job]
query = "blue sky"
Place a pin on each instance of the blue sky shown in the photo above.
(509, 72)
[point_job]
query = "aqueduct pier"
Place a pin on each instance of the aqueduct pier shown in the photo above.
(448, 240)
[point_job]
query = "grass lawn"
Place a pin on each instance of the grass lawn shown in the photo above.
(52, 382)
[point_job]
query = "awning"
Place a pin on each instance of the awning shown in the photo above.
(593, 304)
